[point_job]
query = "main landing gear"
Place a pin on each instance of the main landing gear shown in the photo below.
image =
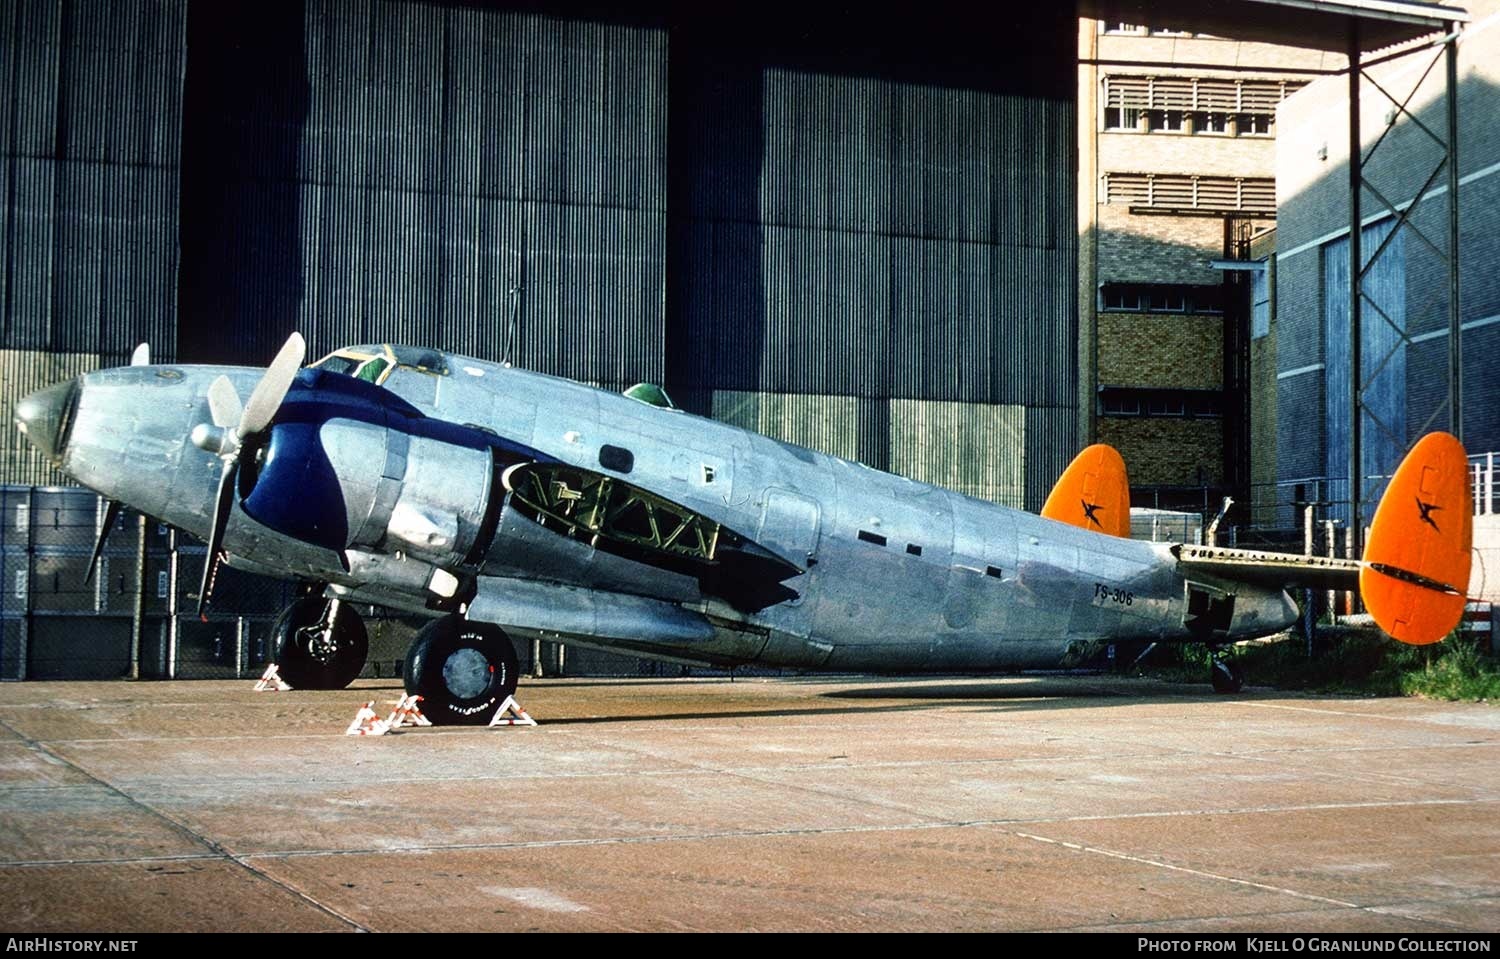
(1227, 678)
(320, 644)
(464, 671)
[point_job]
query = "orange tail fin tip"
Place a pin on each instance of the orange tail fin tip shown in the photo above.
(1417, 559)
(1093, 493)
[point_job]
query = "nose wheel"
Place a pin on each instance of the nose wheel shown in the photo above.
(1225, 676)
(464, 671)
(320, 644)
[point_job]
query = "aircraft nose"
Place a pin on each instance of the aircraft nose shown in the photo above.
(43, 417)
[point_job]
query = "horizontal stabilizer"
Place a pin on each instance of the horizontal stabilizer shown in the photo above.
(1417, 559)
(1276, 570)
(1093, 493)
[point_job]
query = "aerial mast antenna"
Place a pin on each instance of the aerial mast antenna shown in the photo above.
(510, 333)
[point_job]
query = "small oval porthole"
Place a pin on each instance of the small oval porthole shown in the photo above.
(616, 458)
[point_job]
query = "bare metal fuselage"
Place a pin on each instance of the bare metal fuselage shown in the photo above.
(899, 575)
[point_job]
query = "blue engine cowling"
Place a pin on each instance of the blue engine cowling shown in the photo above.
(347, 464)
(290, 485)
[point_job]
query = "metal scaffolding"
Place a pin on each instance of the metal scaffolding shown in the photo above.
(1446, 50)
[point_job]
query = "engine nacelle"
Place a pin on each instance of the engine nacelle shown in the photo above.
(351, 484)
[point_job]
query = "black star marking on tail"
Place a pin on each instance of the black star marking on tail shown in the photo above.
(1088, 511)
(1427, 510)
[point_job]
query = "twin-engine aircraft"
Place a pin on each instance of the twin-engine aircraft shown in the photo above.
(501, 502)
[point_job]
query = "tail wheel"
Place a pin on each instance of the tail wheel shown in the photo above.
(320, 644)
(1226, 678)
(462, 670)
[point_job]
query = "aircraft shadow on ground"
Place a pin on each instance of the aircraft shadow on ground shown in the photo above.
(1034, 692)
(747, 712)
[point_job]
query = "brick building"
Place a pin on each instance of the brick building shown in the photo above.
(1177, 164)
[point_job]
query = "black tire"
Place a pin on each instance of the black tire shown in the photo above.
(462, 670)
(304, 660)
(1226, 678)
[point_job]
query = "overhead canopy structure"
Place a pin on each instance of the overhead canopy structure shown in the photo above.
(1315, 24)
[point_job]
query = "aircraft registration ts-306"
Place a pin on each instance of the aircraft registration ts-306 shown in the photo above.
(501, 501)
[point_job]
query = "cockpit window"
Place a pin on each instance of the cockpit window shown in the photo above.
(423, 361)
(338, 363)
(374, 364)
(372, 370)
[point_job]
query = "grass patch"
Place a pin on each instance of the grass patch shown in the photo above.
(1462, 672)
(1355, 662)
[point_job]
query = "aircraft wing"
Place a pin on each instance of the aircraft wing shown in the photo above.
(1278, 570)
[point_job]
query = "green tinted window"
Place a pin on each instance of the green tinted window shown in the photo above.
(371, 370)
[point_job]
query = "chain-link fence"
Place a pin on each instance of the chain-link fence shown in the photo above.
(56, 625)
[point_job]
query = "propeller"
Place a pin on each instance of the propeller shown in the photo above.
(111, 516)
(234, 423)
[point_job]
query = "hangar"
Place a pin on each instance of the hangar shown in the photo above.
(860, 236)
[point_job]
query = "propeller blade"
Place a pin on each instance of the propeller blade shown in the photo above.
(141, 356)
(273, 386)
(224, 403)
(222, 505)
(111, 516)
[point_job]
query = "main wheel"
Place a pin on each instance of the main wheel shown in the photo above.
(1226, 678)
(462, 670)
(310, 654)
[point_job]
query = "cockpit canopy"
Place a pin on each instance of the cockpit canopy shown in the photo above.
(374, 364)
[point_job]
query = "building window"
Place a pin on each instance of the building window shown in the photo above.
(1122, 118)
(1167, 299)
(1140, 29)
(1167, 121)
(1119, 297)
(1161, 298)
(1221, 106)
(1120, 402)
(1160, 403)
(1165, 404)
(1254, 124)
(1210, 121)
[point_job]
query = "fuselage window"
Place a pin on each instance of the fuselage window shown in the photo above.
(616, 458)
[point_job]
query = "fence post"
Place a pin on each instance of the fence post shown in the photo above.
(138, 605)
(24, 653)
(172, 605)
(1331, 535)
(1309, 615)
(1489, 484)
